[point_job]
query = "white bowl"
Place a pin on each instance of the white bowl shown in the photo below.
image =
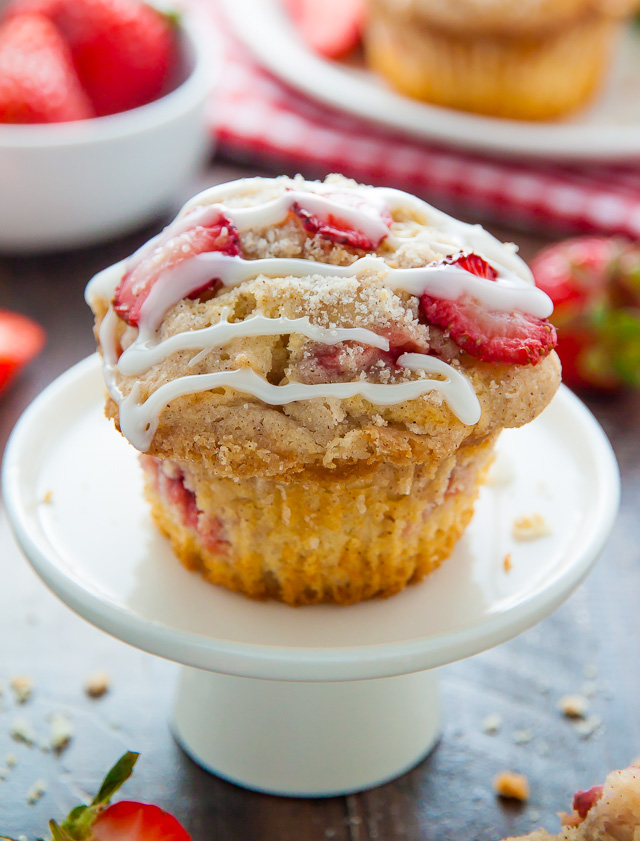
(70, 184)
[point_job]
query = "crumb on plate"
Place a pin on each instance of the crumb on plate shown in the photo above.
(530, 527)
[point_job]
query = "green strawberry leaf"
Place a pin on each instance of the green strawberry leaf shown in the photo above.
(115, 778)
(77, 825)
(57, 833)
(617, 343)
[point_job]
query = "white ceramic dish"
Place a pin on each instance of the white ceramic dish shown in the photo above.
(78, 183)
(609, 129)
(285, 681)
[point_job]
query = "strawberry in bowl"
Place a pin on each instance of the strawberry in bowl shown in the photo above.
(124, 821)
(86, 58)
(594, 283)
(102, 118)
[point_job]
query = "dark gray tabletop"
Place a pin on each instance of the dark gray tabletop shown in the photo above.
(590, 646)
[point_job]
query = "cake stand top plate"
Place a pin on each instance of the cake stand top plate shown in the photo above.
(73, 492)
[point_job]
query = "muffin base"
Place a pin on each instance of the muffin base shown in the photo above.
(318, 538)
(535, 78)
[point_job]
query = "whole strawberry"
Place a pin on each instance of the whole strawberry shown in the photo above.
(38, 83)
(123, 821)
(594, 283)
(123, 50)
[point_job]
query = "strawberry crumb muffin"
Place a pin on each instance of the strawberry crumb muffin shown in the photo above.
(315, 374)
(610, 812)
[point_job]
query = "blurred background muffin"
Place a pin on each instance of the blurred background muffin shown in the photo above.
(525, 59)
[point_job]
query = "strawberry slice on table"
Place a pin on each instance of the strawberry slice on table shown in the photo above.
(124, 821)
(512, 338)
(331, 28)
(123, 50)
(38, 83)
(135, 286)
(21, 339)
(594, 283)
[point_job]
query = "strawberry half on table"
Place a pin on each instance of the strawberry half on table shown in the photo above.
(594, 283)
(123, 821)
(21, 339)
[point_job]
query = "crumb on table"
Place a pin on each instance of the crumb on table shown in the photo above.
(510, 785)
(97, 684)
(36, 791)
(573, 706)
(506, 562)
(492, 723)
(22, 687)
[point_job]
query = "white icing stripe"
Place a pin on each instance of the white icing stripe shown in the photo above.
(364, 218)
(142, 355)
(442, 280)
(139, 420)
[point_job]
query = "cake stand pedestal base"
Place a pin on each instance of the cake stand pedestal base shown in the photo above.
(306, 739)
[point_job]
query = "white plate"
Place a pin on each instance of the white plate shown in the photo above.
(73, 492)
(608, 129)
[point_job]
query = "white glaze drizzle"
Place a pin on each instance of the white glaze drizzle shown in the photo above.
(142, 354)
(513, 290)
(139, 419)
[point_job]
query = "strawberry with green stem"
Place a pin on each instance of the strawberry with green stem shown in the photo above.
(123, 821)
(594, 283)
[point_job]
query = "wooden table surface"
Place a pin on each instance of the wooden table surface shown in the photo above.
(590, 645)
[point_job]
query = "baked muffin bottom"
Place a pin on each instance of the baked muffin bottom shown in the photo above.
(316, 537)
(531, 78)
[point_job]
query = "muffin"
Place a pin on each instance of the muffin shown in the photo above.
(315, 374)
(610, 812)
(530, 60)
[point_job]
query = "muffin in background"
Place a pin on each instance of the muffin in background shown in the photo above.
(522, 59)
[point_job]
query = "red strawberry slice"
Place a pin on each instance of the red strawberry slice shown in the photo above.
(476, 265)
(584, 800)
(20, 341)
(490, 335)
(38, 83)
(130, 821)
(339, 230)
(331, 28)
(135, 286)
(123, 50)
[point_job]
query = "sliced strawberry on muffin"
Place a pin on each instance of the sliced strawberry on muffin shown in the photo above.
(512, 338)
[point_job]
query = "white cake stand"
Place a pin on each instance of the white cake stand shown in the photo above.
(311, 701)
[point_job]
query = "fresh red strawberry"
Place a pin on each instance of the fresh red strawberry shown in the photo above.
(123, 50)
(20, 341)
(340, 231)
(38, 83)
(594, 283)
(491, 335)
(330, 27)
(128, 821)
(135, 286)
(125, 821)
(584, 800)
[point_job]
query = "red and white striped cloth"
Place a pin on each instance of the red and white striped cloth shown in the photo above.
(261, 120)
